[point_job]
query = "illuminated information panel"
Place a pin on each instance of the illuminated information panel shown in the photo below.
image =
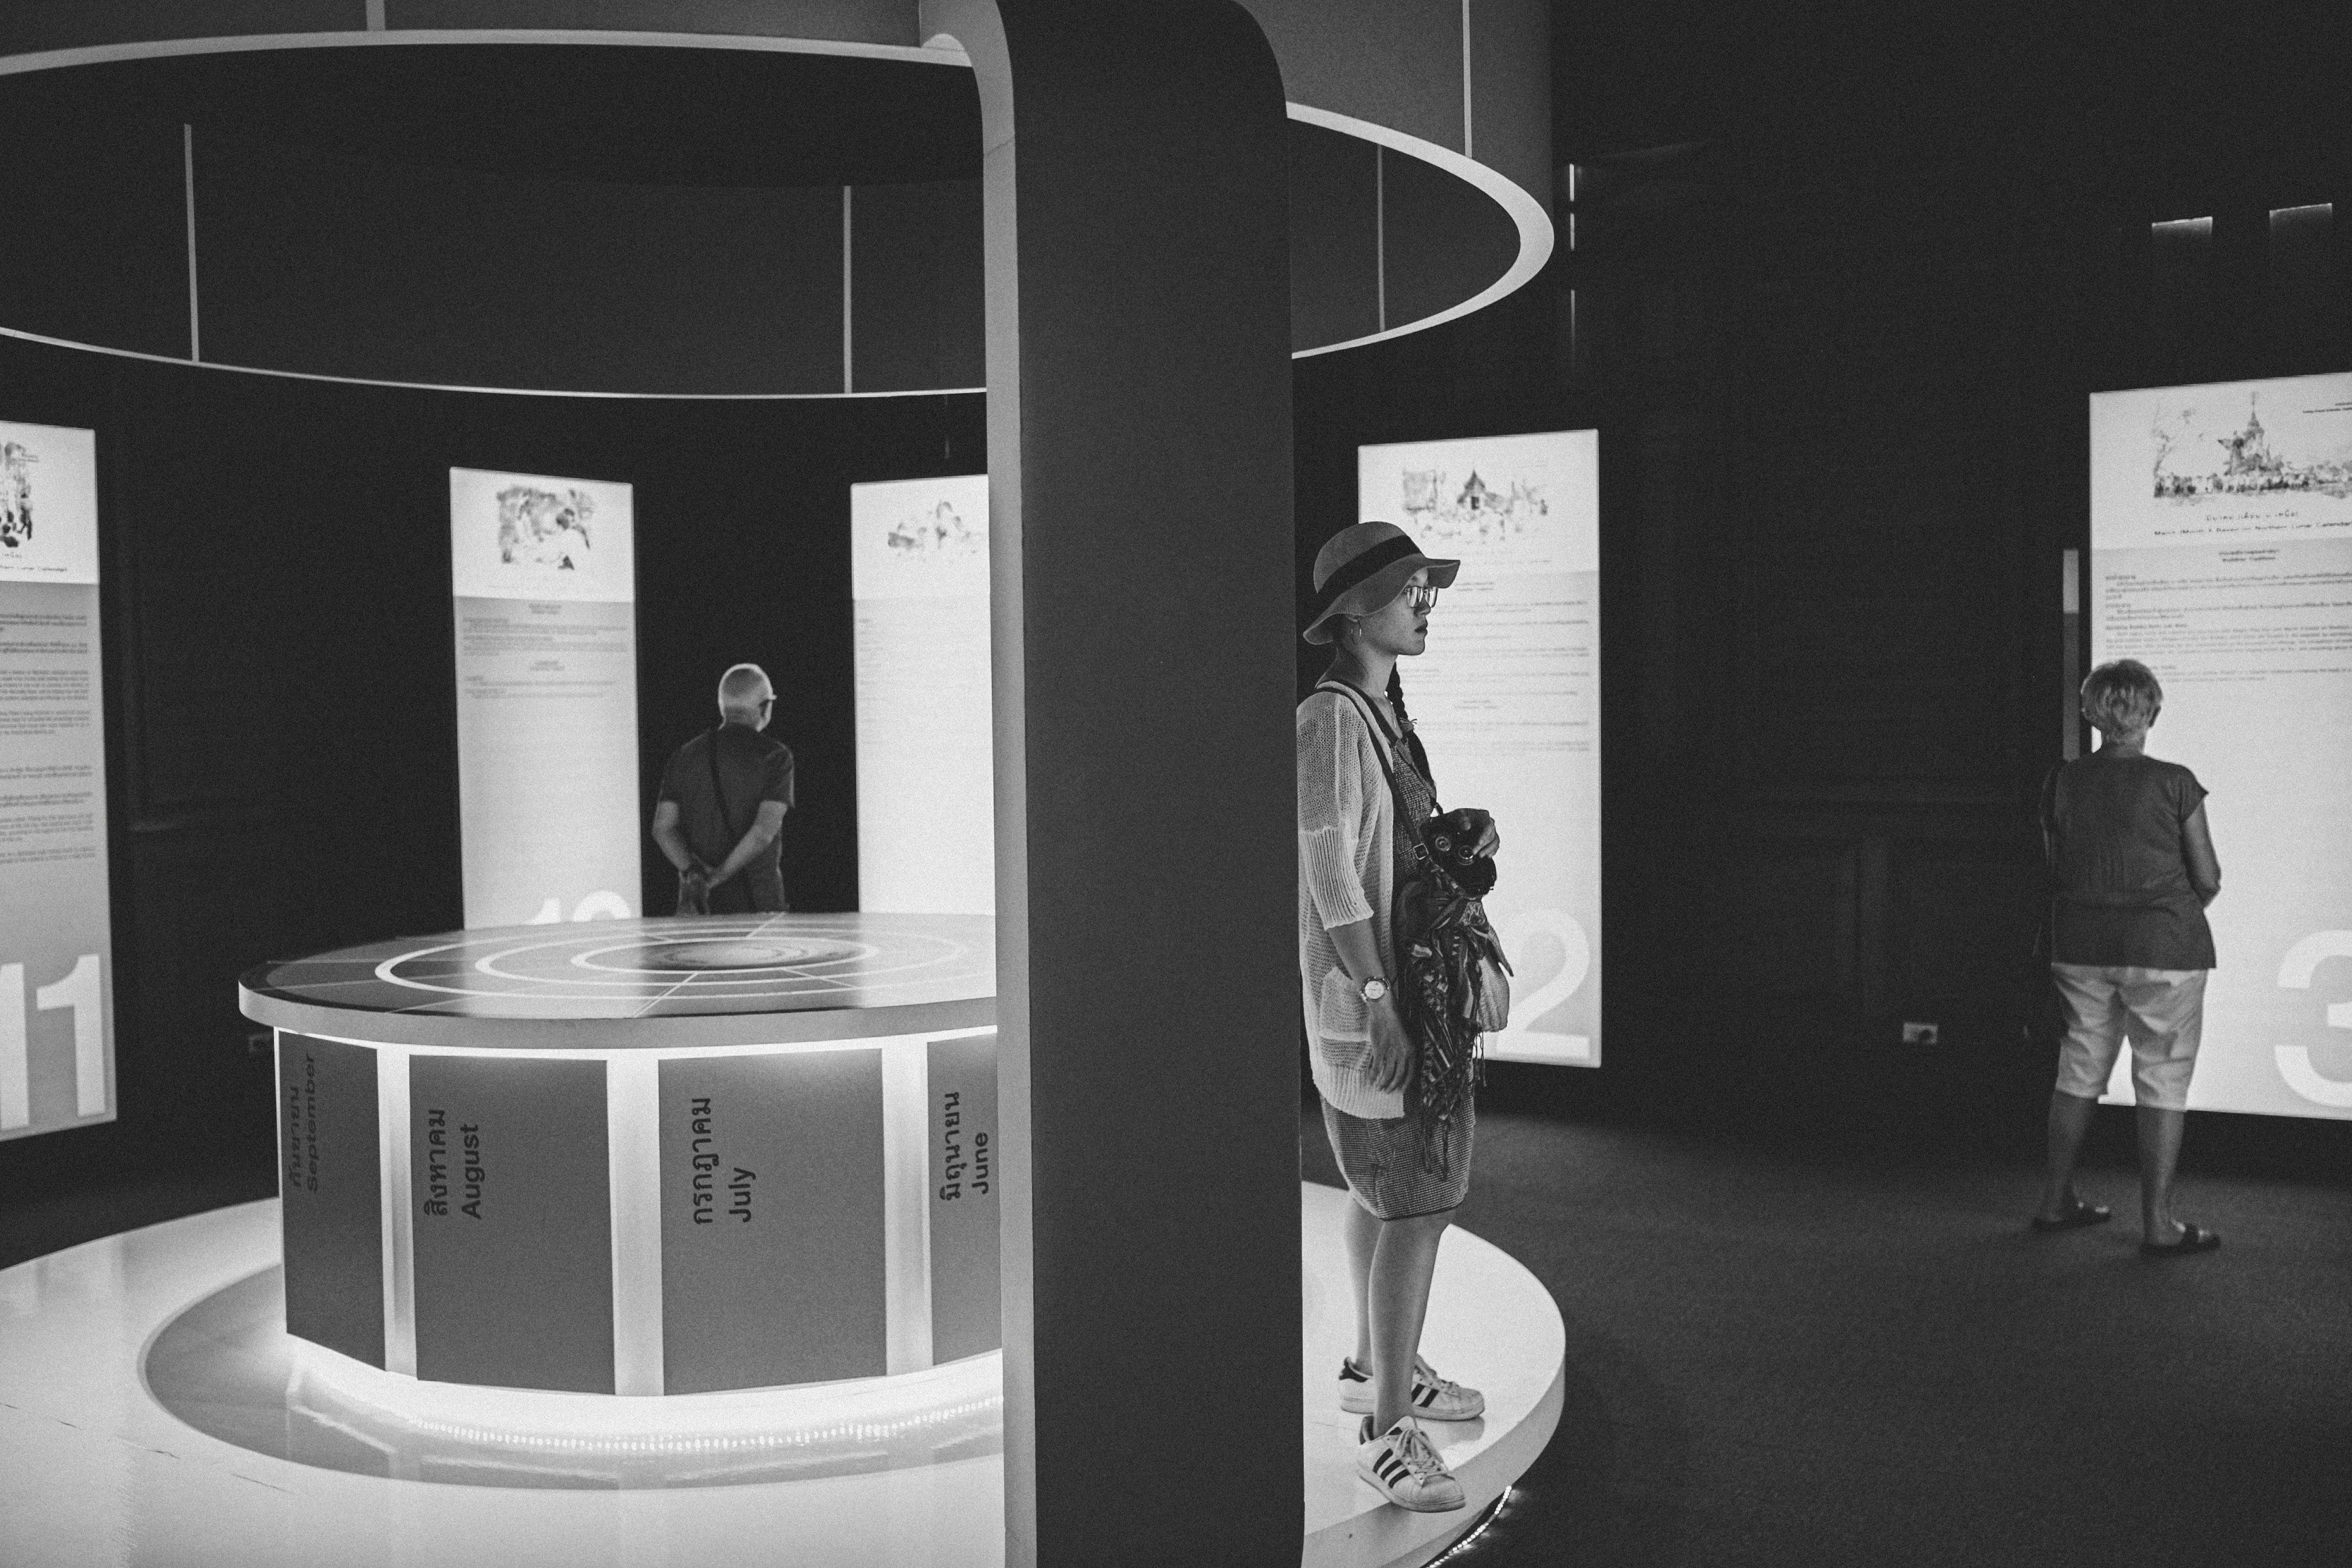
(1507, 698)
(544, 575)
(2221, 558)
(925, 767)
(57, 965)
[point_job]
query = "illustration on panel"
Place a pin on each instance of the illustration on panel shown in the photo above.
(2205, 450)
(544, 528)
(16, 461)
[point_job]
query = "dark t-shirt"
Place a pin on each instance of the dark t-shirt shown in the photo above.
(752, 768)
(2121, 883)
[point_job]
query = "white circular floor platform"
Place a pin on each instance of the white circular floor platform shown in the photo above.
(283, 1459)
(1491, 1325)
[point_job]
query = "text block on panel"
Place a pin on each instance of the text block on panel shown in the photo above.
(512, 1222)
(1507, 697)
(966, 1315)
(925, 750)
(330, 1183)
(2221, 558)
(773, 1260)
(544, 571)
(57, 1015)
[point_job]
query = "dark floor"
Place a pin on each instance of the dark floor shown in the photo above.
(1792, 1358)
(1855, 1352)
(46, 1222)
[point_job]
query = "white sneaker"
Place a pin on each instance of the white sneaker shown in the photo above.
(1403, 1468)
(1434, 1398)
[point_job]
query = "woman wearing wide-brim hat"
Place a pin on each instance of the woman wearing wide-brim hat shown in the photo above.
(1374, 590)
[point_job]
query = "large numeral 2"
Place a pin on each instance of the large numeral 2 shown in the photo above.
(1576, 963)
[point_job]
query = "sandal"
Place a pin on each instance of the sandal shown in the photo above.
(2193, 1238)
(2081, 1213)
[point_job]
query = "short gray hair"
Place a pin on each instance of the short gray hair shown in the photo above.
(740, 686)
(2122, 697)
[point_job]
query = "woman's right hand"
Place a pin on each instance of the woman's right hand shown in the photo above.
(1391, 1066)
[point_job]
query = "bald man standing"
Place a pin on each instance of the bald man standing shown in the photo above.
(722, 803)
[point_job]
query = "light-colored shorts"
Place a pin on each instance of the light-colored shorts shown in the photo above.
(2160, 1011)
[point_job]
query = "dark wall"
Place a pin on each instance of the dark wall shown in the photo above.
(1840, 506)
(1844, 444)
(1855, 416)
(314, 263)
(280, 670)
(664, 221)
(317, 256)
(1843, 438)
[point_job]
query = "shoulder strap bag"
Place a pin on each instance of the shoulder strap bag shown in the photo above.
(1453, 979)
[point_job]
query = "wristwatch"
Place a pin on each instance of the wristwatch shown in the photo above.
(1374, 989)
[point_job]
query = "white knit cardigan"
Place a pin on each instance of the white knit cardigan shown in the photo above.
(1347, 867)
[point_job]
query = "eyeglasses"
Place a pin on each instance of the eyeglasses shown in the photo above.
(1420, 595)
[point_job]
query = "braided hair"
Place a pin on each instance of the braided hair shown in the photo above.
(1412, 745)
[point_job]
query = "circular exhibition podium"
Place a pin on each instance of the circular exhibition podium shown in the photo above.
(643, 1156)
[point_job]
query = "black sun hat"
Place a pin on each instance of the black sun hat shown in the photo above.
(1364, 566)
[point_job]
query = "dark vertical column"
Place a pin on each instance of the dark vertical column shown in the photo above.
(1873, 917)
(2181, 296)
(2306, 300)
(2236, 338)
(1139, 470)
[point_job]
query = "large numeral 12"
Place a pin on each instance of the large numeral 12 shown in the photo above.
(595, 906)
(82, 990)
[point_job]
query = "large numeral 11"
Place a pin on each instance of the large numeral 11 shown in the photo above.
(80, 990)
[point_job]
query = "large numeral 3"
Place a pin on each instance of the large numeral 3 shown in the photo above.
(2296, 970)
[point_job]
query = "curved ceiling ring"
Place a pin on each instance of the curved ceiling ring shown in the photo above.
(1534, 225)
(1536, 236)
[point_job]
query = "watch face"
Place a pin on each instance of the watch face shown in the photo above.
(1375, 989)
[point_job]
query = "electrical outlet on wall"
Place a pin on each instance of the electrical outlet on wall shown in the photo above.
(1919, 1034)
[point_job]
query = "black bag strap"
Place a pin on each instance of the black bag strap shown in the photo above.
(726, 814)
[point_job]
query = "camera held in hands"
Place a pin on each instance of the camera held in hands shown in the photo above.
(1453, 841)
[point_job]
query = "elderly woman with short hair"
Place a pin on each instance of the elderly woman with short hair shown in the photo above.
(2132, 869)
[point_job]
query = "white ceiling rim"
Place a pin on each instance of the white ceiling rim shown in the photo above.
(1535, 236)
(1535, 226)
(183, 364)
(166, 48)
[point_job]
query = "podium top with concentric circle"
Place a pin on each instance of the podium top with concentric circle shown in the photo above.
(713, 980)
